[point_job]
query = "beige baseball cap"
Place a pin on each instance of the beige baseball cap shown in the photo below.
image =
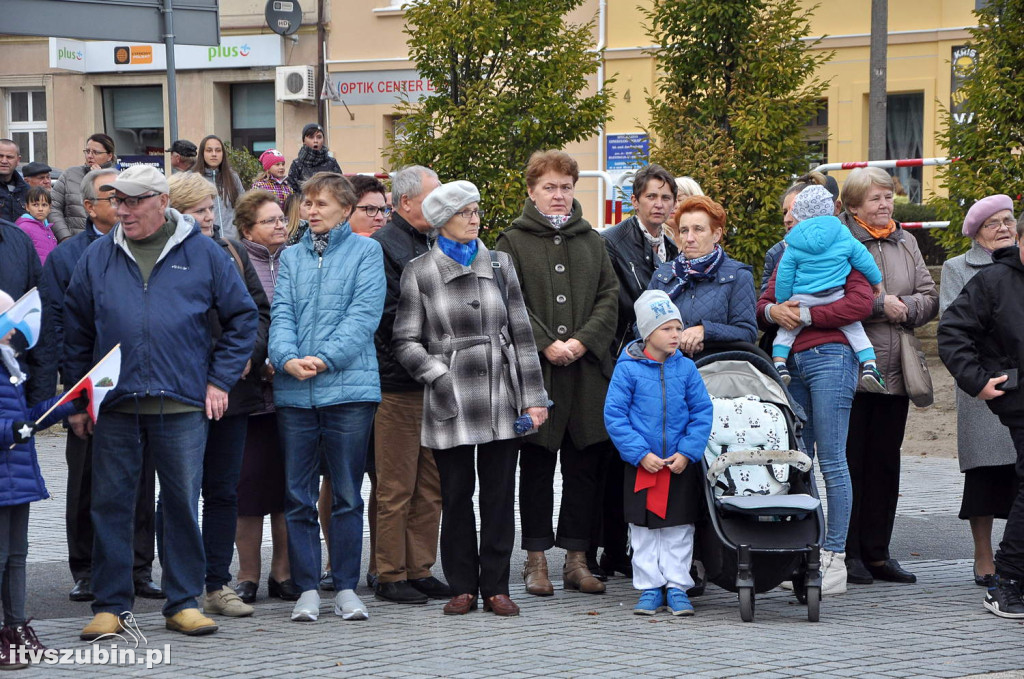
(139, 180)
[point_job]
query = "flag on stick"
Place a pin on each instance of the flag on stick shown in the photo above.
(25, 316)
(96, 384)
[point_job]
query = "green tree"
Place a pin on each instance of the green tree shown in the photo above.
(737, 85)
(990, 143)
(509, 79)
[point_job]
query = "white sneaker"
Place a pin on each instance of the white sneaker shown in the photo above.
(833, 572)
(225, 602)
(349, 607)
(307, 608)
(786, 585)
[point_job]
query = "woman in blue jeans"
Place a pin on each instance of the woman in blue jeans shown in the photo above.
(825, 372)
(327, 304)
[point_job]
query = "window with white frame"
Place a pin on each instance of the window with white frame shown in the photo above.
(26, 123)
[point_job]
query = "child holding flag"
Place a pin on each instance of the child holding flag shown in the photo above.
(20, 479)
(658, 415)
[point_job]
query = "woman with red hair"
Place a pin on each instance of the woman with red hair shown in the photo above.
(714, 293)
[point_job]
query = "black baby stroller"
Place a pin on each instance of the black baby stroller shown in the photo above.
(765, 516)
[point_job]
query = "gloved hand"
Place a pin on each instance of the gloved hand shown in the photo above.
(81, 403)
(23, 431)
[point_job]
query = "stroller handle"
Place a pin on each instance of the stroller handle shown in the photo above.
(793, 458)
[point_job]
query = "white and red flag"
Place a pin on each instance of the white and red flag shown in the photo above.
(96, 383)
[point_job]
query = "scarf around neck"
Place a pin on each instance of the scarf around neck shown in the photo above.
(10, 361)
(690, 271)
(311, 157)
(877, 232)
(463, 253)
(557, 221)
(656, 243)
(320, 241)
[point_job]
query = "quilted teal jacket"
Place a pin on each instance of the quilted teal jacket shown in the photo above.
(328, 306)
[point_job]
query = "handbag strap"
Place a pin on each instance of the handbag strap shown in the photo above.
(499, 277)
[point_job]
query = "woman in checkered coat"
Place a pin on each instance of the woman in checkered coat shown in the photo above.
(463, 330)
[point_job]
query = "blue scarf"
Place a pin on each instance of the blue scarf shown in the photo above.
(690, 271)
(463, 253)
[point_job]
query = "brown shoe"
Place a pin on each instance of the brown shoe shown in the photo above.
(101, 625)
(577, 576)
(501, 605)
(460, 605)
(535, 575)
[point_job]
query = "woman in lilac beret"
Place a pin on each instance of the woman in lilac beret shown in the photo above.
(984, 447)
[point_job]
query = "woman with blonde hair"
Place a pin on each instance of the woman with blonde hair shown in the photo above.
(685, 187)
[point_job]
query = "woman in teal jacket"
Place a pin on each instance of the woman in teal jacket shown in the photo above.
(327, 304)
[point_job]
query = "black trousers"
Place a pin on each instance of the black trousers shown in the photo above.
(78, 453)
(614, 531)
(877, 425)
(582, 494)
(467, 568)
(1010, 555)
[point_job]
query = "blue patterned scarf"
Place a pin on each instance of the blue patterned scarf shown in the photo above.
(689, 271)
(463, 253)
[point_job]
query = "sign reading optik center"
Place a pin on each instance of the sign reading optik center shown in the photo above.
(238, 51)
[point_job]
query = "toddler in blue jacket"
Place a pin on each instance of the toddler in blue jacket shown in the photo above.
(20, 483)
(820, 253)
(658, 414)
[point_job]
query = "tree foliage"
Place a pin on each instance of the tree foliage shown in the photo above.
(991, 143)
(509, 79)
(736, 87)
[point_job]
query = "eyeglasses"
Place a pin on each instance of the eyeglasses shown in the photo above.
(1009, 223)
(372, 210)
(93, 152)
(273, 220)
(131, 202)
(109, 199)
(469, 214)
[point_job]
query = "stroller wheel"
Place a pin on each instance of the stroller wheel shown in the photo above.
(746, 604)
(813, 597)
(800, 588)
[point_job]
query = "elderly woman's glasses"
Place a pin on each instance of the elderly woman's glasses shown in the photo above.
(469, 214)
(1009, 223)
(372, 210)
(273, 220)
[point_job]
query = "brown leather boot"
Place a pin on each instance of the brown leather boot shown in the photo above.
(577, 576)
(535, 575)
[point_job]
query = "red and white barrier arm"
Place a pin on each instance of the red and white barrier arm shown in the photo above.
(924, 225)
(906, 162)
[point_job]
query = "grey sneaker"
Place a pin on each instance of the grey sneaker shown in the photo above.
(783, 371)
(307, 608)
(349, 607)
(871, 379)
(1005, 598)
(226, 602)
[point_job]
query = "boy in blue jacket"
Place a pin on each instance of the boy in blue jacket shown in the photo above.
(21, 482)
(658, 414)
(820, 253)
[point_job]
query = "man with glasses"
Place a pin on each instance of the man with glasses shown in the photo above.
(12, 185)
(183, 155)
(53, 284)
(149, 285)
(408, 486)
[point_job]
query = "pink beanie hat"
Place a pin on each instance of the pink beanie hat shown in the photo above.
(271, 157)
(983, 209)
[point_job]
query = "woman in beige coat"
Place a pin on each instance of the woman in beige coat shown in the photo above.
(878, 421)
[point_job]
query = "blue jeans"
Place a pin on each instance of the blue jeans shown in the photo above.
(345, 430)
(824, 381)
(175, 443)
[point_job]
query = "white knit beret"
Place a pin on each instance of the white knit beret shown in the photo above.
(447, 199)
(814, 201)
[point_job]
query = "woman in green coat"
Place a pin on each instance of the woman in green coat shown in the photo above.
(571, 292)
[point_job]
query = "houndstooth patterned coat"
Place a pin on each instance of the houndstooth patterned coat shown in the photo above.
(478, 359)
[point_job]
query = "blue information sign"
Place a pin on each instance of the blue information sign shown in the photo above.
(627, 151)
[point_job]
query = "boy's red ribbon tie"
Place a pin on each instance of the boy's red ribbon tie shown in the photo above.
(656, 486)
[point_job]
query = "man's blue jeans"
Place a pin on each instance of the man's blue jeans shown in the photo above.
(824, 381)
(345, 430)
(175, 443)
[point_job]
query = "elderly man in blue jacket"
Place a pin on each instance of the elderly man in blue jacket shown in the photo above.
(149, 285)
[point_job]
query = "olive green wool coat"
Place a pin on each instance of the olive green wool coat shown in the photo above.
(571, 291)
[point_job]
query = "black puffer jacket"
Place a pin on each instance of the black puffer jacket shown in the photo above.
(12, 198)
(401, 243)
(307, 164)
(633, 261)
(982, 332)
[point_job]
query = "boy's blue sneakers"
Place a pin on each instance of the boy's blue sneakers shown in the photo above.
(651, 601)
(678, 602)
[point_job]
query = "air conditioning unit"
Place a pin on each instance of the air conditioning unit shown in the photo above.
(296, 83)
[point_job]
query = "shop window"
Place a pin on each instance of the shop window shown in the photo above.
(904, 137)
(253, 116)
(26, 122)
(816, 136)
(134, 118)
